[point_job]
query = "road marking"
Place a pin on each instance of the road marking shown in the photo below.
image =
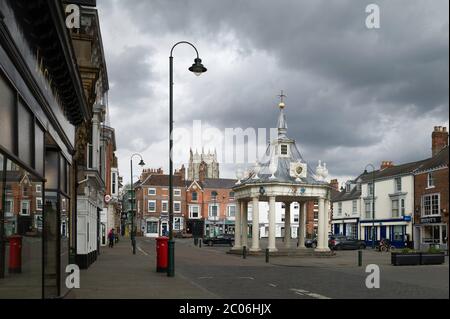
(142, 251)
(272, 285)
(302, 292)
(251, 278)
(317, 296)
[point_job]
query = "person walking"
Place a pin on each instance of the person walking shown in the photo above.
(111, 238)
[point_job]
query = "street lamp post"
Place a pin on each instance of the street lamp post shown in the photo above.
(373, 202)
(198, 69)
(133, 197)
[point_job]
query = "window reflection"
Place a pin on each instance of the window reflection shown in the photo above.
(22, 192)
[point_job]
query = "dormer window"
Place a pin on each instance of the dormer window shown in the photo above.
(348, 187)
(283, 149)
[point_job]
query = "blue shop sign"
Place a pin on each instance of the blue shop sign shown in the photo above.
(407, 218)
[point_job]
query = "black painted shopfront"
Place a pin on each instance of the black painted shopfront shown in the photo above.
(41, 102)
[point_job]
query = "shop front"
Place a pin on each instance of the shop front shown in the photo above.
(431, 232)
(346, 227)
(38, 119)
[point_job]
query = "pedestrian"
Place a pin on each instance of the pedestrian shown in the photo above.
(111, 238)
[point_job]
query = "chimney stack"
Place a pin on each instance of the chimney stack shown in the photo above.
(386, 164)
(334, 184)
(439, 139)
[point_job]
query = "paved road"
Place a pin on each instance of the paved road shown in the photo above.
(229, 276)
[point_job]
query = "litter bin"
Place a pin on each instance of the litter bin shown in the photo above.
(15, 254)
(162, 252)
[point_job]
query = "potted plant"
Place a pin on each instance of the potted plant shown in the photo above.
(405, 257)
(433, 256)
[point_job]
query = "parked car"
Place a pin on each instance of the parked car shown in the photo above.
(311, 242)
(338, 242)
(224, 239)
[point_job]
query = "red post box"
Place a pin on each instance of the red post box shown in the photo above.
(15, 254)
(162, 249)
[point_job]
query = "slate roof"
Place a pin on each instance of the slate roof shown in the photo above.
(437, 161)
(163, 180)
(219, 183)
(403, 169)
(336, 196)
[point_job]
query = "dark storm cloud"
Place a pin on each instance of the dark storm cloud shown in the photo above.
(349, 88)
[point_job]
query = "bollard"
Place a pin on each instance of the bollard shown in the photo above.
(359, 258)
(244, 252)
(267, 255)
(195, 241)
(200, 242)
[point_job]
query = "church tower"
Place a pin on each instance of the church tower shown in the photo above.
(206, 161)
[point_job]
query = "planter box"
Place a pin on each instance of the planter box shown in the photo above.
(432, 259)
(399, 259)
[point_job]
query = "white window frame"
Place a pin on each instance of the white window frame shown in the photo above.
(228, 211)
(210, 210)
(11, 210)
(431, 205)
(354, 207)
(39, 199)
(397, 209)
(397, 182)
(21, 208)
(180, 221)
(151, 191)
(164, 202)
(339, 213)
(430, 180)
(148, 206)
(370, 189)
(368, 213)
(39, 188)
(114, 183)
(191, 212)
(177, 192)
(174, 203)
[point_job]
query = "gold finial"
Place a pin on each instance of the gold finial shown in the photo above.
(281, 105)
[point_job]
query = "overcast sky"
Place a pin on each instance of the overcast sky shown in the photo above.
(354, 95)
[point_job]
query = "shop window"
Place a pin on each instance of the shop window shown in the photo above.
(25, 130)
(398, 233)
(7, 115)
(152, 227)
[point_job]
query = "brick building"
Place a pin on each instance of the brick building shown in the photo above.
(152, 199)
(210, 206)
(431, 195)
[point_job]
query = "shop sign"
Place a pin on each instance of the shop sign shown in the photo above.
(430, 220)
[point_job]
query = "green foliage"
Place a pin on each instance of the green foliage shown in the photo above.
(434, 250)
(407, 251)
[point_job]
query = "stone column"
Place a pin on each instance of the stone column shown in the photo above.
(237, 227)
(244, 214)
(287, 224)
(255, 224)
(322, 235)
(302, 225)
(326, 223)
(272, 224)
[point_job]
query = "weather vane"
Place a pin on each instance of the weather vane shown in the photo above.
(281, 105)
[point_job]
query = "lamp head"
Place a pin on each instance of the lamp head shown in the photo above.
(141, 163)
(197, 68)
